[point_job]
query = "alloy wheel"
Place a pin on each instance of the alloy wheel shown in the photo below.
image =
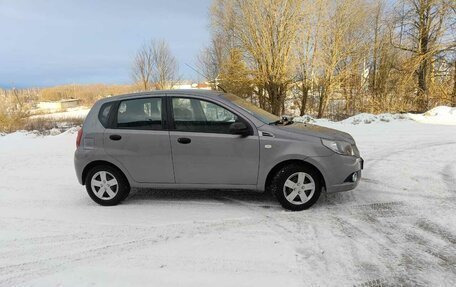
(104, 185)
(299, 188)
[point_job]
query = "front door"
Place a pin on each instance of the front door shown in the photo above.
(204, 150)
(139, 141)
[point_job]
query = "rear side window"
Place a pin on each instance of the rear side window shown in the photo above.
(103, 116)
(145, 114)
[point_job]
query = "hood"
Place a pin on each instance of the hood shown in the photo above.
(317, 131)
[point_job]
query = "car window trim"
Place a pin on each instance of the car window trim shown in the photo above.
(170, 113)
(113, 116)
(100, 112)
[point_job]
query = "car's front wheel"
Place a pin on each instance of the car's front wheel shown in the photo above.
(296, 187)
(106, 185)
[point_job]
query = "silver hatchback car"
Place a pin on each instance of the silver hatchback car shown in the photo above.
(194, 139)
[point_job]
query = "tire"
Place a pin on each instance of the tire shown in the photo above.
(292, 191)
(106, 185)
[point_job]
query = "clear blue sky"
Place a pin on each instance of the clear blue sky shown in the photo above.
(50, 42)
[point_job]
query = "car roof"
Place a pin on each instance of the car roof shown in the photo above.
(190, 92)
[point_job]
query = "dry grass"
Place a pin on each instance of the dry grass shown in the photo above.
(46, 124)
(41, 125)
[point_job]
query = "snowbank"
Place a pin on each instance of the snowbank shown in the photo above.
(439, 115)
(442, 115)
(363, 118)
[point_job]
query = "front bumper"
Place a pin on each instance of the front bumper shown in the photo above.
(345, 186)
(337, 171)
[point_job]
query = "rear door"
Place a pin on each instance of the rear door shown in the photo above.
(204, 150)
(139, 140)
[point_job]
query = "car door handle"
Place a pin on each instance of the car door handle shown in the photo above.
(115, 137)
(184, 140)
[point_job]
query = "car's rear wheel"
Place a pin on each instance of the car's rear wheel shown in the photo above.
(296, 187)
(106, 185)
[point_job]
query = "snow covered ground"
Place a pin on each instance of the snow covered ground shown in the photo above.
(438, 115)
(397, 227)
(79, 112)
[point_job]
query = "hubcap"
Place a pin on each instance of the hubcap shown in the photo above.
(104, 185)
(299, 188)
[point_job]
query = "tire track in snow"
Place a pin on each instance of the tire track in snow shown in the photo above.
(379, 212)
(448, 175)
(405, 148)
(370, 213)
(437, 230)
(391, 238)
(306, 232)
(393, 151)
(20, 273)
(285, 234)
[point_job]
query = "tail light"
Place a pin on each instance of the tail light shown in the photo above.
(79, 138)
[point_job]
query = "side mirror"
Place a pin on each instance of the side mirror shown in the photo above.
(239, 128)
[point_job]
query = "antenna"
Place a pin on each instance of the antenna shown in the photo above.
(220, 87)
(201, 74)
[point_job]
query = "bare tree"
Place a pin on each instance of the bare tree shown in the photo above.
(211, 59)
(343, 48)
(306, 51)
(165, 70)
(142, 68)
(266, 32)
(155, 65)
(422, 33)
(453, 97)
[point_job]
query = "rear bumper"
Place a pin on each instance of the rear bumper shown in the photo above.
(79, 164)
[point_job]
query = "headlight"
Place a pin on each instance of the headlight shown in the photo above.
(339, 147)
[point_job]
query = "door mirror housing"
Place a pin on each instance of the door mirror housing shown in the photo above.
(239, 128)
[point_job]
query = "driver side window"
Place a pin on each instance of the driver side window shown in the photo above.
(193, 115)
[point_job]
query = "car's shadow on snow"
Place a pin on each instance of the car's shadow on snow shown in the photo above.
(230, 197)
(140, 196)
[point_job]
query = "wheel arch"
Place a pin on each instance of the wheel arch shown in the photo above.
(95, 163)
(281, 164)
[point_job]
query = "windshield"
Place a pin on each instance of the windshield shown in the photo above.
(255, 111)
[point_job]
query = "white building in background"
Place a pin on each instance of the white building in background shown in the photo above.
(61, 105)
(190, 85)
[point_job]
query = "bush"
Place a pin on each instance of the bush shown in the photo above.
(45, 125)
(9, 124)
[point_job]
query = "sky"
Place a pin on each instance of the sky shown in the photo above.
(52, 42)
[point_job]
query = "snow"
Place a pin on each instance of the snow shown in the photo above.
(365, 118)
(362, 118)
(397, 228)
(441, 115)
(438, 115)
(79, 112)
